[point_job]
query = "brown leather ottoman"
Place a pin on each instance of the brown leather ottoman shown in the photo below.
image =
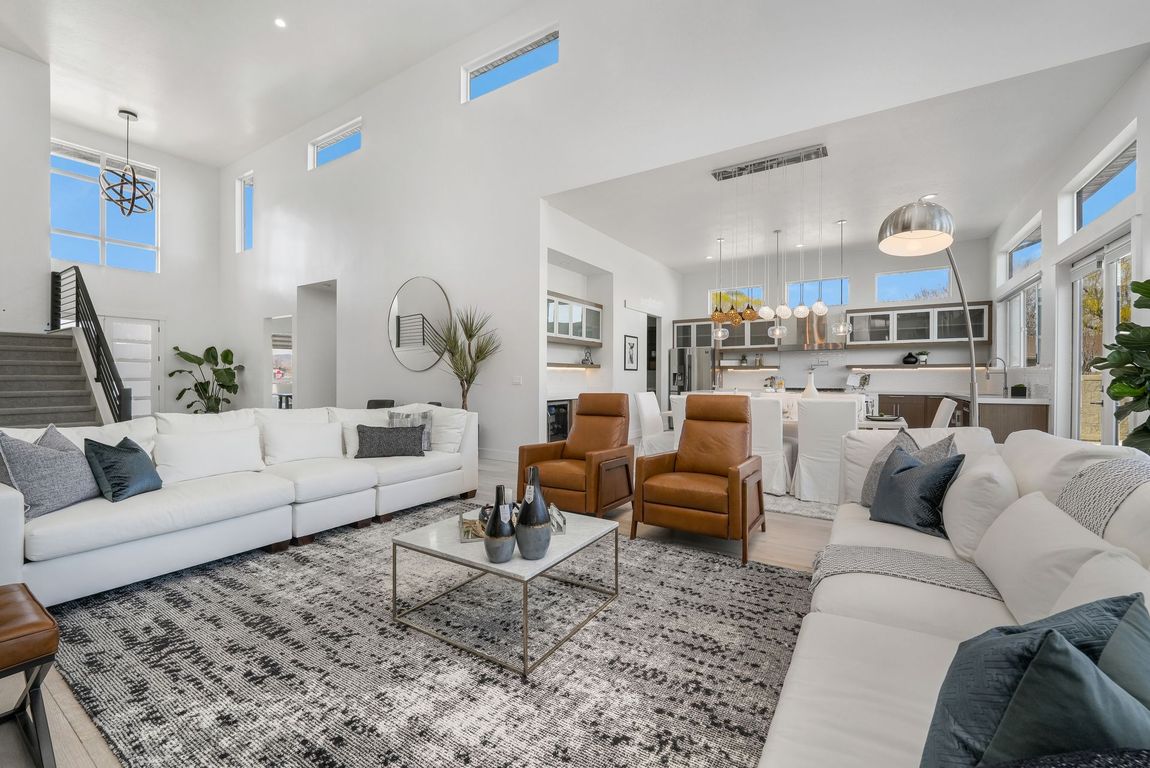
(29, 638)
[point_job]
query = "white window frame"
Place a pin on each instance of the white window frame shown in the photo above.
(145, 171)
(928, 300)
(1014, 324)
(1035, 224)
(830, 279)
(332, 137)
(241, 219)
(1132, 146)
(507, 52)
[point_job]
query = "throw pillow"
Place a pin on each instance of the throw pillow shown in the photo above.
(1111, 758)
(380, 442)
(1006, 692)
(981, 492)
(298, 440)
(416, 419)
(931, 453)
(1108, 574)
(51, 473)
(191, 455)
(122, 470)
(910, 492)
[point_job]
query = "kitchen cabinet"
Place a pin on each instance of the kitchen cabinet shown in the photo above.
(573, 321)
(1003, 418)
(918, 325)
(913, 408)
(692, 333)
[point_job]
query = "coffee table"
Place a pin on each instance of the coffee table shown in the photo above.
(441, 540)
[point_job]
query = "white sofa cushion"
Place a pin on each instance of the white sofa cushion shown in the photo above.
(1043, 462)
(447, 425)
(316, 479)
(1032, 552)
(173, 423)
(910, 604)
(290, 416)
(975, 499)
(141, 431)
(1130, 526)
(350, 418)
(295, 441)
(857, 695)
(100, 523)
(861, 446)
(1109, 574)
(853, 527)
(969, 441)
(188, 455)
(400, 469)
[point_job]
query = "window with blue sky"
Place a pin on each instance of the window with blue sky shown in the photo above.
(836, 292)
(516, 65)
(913, 285)
(90, 230)
(1112, 185)
(1027, 252)
(247, 191)
(339, 143)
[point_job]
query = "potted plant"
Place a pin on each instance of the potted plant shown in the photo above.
(208, 388)
(466, 345)
(1129, 366)
(922, 357)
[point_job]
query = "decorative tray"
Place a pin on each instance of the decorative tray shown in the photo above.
(473, 521)
(882, 417)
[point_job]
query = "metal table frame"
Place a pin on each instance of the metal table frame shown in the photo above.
(527, 666)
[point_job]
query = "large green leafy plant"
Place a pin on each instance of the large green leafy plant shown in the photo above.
(1129, 366)
(215, 375)
(467, 344)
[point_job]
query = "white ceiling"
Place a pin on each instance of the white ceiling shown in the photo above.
(215, 79)
(979, 150)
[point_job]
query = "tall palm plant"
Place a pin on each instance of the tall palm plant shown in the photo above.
(466, 344)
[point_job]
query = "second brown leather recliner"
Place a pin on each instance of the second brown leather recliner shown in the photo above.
(591, 471)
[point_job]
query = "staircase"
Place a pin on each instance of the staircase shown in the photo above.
(42, 382)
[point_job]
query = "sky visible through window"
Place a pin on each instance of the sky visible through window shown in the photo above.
(1023, 257)
(1108, 195)
(836, 291)
(918, 285)
(344, 146)
(515, 69)
(249, 199)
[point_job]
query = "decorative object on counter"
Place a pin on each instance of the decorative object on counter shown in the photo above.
(923, 228)
(630, 353)
(742, 361)
(533, 528)
(587, 359)
(1019, 390)
(466, 345)
(780, 385)
(810, 390)
(499, 534)
(910, 358)
(209, 387)
(1129, 366)
(759, 360)
(923, 357)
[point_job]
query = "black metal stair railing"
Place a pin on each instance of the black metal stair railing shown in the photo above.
(416, 330)
(72, 308)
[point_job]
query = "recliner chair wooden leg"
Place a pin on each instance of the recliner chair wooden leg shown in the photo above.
(634, 526)
(469, 494)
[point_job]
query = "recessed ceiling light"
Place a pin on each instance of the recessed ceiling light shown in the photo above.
(280, 23)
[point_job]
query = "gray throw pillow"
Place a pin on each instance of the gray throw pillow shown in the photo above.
(422, 418)
(910, 492)
(942, 449)
(380, 442)
(51, 473)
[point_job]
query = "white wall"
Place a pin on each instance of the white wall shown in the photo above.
(314, 347)
(184, 295)
(25, 282)
(1050, 198)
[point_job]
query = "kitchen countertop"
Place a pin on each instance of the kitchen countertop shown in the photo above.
(982, 398)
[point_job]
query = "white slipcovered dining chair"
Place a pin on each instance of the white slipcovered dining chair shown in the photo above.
(822, 424)
(944, 413)
(678, 414)
(654, 435)
(767, 444)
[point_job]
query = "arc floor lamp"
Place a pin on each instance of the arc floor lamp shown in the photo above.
(923, 228)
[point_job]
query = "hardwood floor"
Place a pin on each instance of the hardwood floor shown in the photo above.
(790, 542)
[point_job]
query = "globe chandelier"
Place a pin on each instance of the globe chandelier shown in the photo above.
(122, 187)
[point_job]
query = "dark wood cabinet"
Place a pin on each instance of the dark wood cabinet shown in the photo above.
(913, 408)
(1003, 418)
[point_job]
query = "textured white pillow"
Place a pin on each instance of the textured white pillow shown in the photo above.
(141, 431)
(1042, 462)
(969, 441)
(175, 423)
(1110, 574)
(1032, 552)
(350, 418)
(290, 441)
(447, 425)
(980, 493)
(188, 455)
(860, 446)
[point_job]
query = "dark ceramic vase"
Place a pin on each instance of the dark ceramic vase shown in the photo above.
(533, 530)
(910, 359)
(499, 535)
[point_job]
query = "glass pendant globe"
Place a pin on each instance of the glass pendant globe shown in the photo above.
(783, 312)
(766, 313)
(801, 311)
(720, 333)
(842, 328)
(777, 331)
(819, 308)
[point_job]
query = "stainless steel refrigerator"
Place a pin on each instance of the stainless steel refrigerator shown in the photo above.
(691, 369)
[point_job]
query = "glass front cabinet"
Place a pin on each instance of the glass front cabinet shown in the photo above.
(918, 325)
(748, 335)
(573, 321)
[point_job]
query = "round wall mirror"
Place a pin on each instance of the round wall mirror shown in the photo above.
(419, 311)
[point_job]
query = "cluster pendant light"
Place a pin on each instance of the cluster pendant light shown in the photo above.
(802, 310)
(843, 326)
(819, 307)
(782, 311)
(749, 311)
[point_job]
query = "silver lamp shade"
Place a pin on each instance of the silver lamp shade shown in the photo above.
(916, 229)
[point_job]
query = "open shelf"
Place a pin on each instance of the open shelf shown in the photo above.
(573, 365)
(916, 367)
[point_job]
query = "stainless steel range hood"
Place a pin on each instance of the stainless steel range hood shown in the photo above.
(811, 334)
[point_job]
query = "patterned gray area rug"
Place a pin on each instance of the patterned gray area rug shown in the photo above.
(292, 659)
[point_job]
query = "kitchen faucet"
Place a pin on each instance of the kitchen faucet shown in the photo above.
(1005, 388)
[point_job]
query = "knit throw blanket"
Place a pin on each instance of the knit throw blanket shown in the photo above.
(903, 564)
(1094, 494)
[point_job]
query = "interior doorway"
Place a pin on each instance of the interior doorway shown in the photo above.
(653, 355)
(135, 344)
(277, 389)
(314, 345)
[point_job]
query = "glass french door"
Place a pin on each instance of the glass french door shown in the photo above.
(135, 348)
(1101, 289)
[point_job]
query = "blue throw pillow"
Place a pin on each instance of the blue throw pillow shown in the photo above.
(123, 470)
(910, 491)
(1077, 680)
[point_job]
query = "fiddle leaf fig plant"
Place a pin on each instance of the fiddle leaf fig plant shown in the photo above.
(1129, 364)
(215, 376)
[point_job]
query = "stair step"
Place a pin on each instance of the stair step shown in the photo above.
(63, 340)
(58, 424)
(44, 398)
(30, 383)
(10, 417)
(40, 367)
(16, 353)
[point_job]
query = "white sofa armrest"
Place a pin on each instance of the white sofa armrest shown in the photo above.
(469, 450)
(11, 535)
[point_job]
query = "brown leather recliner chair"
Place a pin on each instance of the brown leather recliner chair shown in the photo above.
(712, 484)
(591, 471)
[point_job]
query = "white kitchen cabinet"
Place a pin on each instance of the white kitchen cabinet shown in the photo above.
(918, 325)
(573, 321)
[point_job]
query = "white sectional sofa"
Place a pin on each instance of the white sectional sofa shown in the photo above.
(875, 649)
(232, 482)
